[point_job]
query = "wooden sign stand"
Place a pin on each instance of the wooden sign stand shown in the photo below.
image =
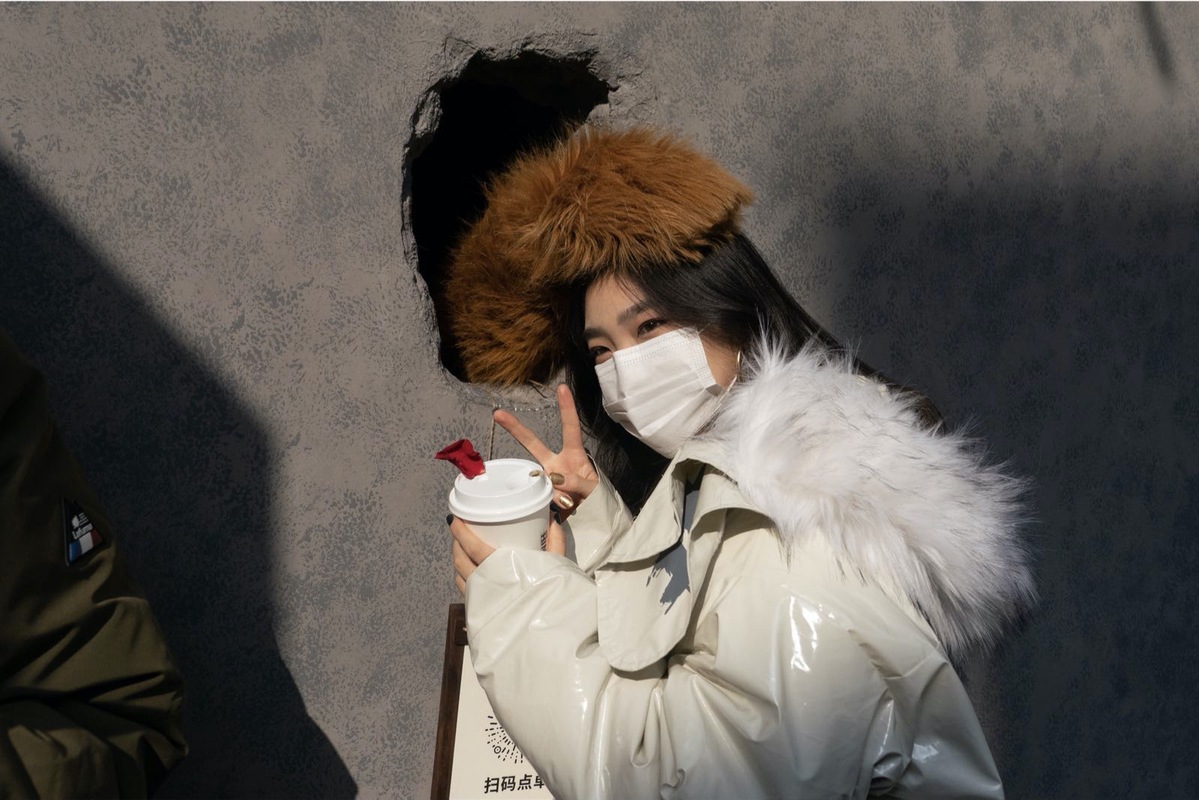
(447, 715)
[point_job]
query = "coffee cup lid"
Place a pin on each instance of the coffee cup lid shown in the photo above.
(509, 488)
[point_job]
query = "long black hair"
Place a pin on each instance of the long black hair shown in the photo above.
(730, 294)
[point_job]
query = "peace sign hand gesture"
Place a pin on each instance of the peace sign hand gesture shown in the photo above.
(570, 468)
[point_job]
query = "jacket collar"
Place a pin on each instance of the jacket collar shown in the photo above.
(659, 526)
(648, 584)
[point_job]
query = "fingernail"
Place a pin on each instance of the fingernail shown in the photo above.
(557, 478)
(449, 518)
(566, 502)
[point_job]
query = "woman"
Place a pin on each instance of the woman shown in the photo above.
(810, 546)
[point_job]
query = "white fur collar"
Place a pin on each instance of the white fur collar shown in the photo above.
(822, 451)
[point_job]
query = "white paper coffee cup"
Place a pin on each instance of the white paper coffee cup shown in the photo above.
(508, 505)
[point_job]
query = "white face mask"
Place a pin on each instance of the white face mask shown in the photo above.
(661, 391)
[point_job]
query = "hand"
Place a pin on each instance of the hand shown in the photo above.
(570, 468)
(470, 550)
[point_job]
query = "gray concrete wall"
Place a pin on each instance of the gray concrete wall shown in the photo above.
(203, 243)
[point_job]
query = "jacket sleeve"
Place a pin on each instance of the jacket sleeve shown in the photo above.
(597, 523)
(89, 695)
(782, 703)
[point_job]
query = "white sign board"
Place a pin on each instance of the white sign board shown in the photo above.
(487, 764)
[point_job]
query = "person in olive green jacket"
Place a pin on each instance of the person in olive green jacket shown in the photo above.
(90, 698)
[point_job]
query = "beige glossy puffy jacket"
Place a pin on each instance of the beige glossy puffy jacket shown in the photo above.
(791, 641)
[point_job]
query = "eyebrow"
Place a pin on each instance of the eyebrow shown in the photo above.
(621, 319)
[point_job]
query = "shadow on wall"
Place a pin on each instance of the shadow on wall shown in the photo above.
(184, 471)
(1062, 317)
(1155, 32)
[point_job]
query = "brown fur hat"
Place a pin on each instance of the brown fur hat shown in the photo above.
(598, 202)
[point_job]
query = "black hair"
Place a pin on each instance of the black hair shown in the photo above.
(734, 298)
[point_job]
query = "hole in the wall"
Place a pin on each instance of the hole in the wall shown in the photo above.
(493, 110)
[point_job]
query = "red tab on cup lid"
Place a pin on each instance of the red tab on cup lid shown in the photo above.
(463, 456)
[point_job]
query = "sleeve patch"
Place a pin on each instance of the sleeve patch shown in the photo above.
(79, 534)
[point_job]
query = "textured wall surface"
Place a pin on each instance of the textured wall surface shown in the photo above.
(204, 244)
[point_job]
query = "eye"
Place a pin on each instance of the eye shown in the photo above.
(649, 325)
(599, 354)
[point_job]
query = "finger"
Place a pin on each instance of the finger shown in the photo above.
(556, 478)
(461, 584)
(575, 489)
(563, 505)
(528, 440)
(576, 486)
(472, 546)
(462, 563)
(572, 432)
(555, 539)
